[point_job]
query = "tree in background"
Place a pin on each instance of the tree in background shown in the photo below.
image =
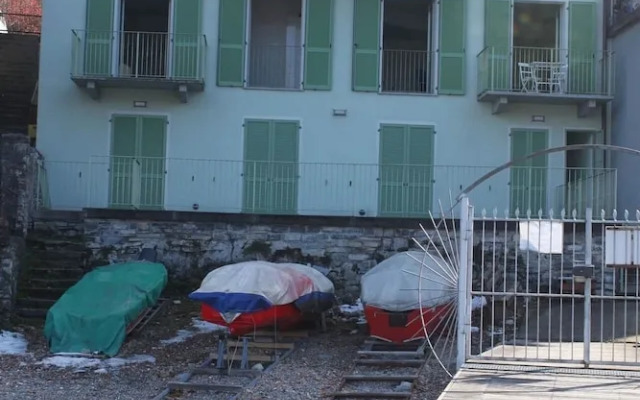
(21, 15)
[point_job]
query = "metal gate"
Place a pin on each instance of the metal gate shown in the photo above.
(554, 288)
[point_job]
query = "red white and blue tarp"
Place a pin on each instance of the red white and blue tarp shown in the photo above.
(250, 294)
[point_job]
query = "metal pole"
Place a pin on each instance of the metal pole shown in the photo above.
(462, 282)
(588, 231)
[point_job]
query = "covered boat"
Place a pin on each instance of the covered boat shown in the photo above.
(391, 298)
(92, 316)
(253, 294)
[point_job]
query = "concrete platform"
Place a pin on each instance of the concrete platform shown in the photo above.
(508, 382)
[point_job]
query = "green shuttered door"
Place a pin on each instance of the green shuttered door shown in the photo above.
(366, 45)
(231, 42)
(582, 47)
(529, 178)
(497, 40)
(452, 46)
(99, 37)
(187, 22)
(271, 167)
(406, 170)
(319, 36)
(137, 166)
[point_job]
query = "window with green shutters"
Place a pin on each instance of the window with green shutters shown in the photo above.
(282, 62)
(497, 41)
(270, 176)
(187, 26)
(99, 38)
(582, 47)
(452, 54)
(366, 45)
(392, 57)
(405, 170)
(138, 162)
(318, 61)
(528, 183)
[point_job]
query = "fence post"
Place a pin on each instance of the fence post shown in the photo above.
(588, 240)
(463, 283)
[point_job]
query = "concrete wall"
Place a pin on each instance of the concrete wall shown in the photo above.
(625, 116)
(73, 129)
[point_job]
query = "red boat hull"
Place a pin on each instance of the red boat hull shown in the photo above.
(400, 327)
(283, 317)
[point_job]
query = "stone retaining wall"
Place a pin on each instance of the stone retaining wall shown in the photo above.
(18, 177)
(191, 249)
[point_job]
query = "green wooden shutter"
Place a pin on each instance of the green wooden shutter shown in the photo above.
(99, 38)
(256, 190)
(231, 42)
(419, 170)
(582, 47)
(528, 178)
(187, 23)
(284, 172)
(391, 192)
(151, 162)
(452, 47)
(366, 45)
(318, 61)
(123, 153)
(497, 41)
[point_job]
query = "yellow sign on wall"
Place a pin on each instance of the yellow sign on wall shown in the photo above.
(32, 131)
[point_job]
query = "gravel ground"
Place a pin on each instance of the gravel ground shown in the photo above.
(311, 372)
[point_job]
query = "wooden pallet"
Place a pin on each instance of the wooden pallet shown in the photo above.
(380, 355)
(235, 358)
(145, 316)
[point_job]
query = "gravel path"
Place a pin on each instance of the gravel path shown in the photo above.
(311, 372)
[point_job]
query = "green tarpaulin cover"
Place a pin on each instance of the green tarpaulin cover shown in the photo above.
(93, 315)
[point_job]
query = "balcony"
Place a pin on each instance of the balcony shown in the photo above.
(274, 67)
(545, 75)
(407, 71)
(140, 60)
(317, 189)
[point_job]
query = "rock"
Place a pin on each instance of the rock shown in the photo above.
(404, 386)
(258, 367)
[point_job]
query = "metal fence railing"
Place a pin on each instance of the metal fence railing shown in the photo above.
(274, 66)
(551, 71)
(29, 24)
(144, 55)
(313, 188)
(407, 71)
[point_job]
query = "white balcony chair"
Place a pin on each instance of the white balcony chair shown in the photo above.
(559, 79)
(527, 78)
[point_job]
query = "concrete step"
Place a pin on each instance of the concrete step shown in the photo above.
(32, 302)
(38, 313)
(42, 292)
(54, 283)
(53, 273)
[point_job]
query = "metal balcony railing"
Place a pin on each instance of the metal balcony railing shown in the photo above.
(141, 55)
(316, 188)
(274, 66)
(550, 71)
(407, 71)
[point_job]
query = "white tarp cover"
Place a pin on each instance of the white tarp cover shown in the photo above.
(320, 282)
(393, 284)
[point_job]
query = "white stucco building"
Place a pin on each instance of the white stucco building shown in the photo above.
(320, 107)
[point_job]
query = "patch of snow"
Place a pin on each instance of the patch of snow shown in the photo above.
(475, 329)
(478, 302)
(352, 309)
(80, 363)
(198, 327)
(12, 343)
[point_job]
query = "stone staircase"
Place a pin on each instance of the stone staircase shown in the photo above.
(51, 267)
